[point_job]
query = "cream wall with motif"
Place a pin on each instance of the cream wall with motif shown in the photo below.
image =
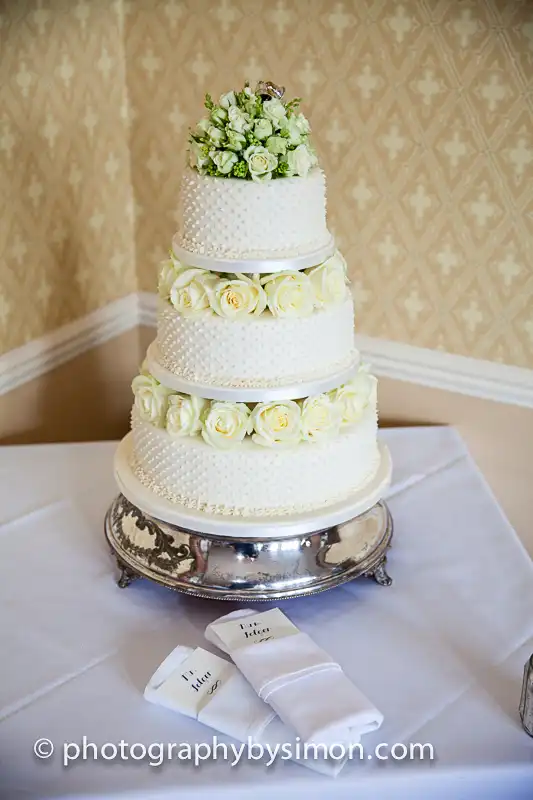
(423, 120)
(67, 244)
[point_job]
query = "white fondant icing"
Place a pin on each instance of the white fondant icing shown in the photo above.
(261, 351)
(248, 392)
(232, 218)
(253, 480)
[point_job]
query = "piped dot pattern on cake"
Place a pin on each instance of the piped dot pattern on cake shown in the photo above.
(251, 480)
(260, 351)
(231, 218)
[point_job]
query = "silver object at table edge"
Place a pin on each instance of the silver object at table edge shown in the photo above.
(526, 699)
(251, 569)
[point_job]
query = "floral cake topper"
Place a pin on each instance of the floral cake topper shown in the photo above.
(252, 135)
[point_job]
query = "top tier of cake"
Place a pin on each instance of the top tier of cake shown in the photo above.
(253, 198)
(230, 224)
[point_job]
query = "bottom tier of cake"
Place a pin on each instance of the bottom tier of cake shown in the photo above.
(251, 480)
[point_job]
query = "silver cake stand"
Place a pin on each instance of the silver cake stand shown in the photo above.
(250, 569)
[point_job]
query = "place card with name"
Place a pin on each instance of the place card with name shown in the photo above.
(194, 682)
(253, 629)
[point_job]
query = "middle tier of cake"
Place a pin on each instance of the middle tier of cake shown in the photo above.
(262, 352)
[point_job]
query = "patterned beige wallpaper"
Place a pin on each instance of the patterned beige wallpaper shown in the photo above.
(423, 118)
(66, 221)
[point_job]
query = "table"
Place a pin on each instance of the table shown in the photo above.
(440, 652)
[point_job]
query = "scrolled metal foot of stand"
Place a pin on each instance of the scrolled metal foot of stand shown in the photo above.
(379, 574)
(127, 575)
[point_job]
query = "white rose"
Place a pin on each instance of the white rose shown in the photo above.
(312, 156)
(354, 397)
(289, 294)
(274, 110)
(238, 120)
(236, 141)
(224, 424)
(299, 161)
(302, 123)
(276, 423)
(260, 162)
(337, 257)
(292, 131)
(183, 414)
(145, 370)
(203, 126)
(223, 160)
(219, 115)
(215, 135)
(251, 104)
(150, 399)
(262, 128)
(276, 145)
(168, 272)
(189, 293)
(320, 418)
(227, 100)
(198, 155)
(329, 281)
(238, 298)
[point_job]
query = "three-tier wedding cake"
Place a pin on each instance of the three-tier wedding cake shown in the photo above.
(252, 401)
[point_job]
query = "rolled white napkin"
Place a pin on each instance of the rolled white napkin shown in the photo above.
(232, 707)
(303, 684)
(201, 685)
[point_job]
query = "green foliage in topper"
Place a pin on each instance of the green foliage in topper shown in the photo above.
(248, 137)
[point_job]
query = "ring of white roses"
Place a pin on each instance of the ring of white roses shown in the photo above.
(291, 293)
(279, 423)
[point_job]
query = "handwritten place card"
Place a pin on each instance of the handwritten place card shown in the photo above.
(195, 681)
(255, 628)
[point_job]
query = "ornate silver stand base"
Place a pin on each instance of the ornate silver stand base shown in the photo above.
(247, 569)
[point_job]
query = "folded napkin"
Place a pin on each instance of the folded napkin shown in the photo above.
(201, 685)
(208, 688)
(303, 684)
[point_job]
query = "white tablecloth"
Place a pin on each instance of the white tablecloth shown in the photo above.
(441, 652)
